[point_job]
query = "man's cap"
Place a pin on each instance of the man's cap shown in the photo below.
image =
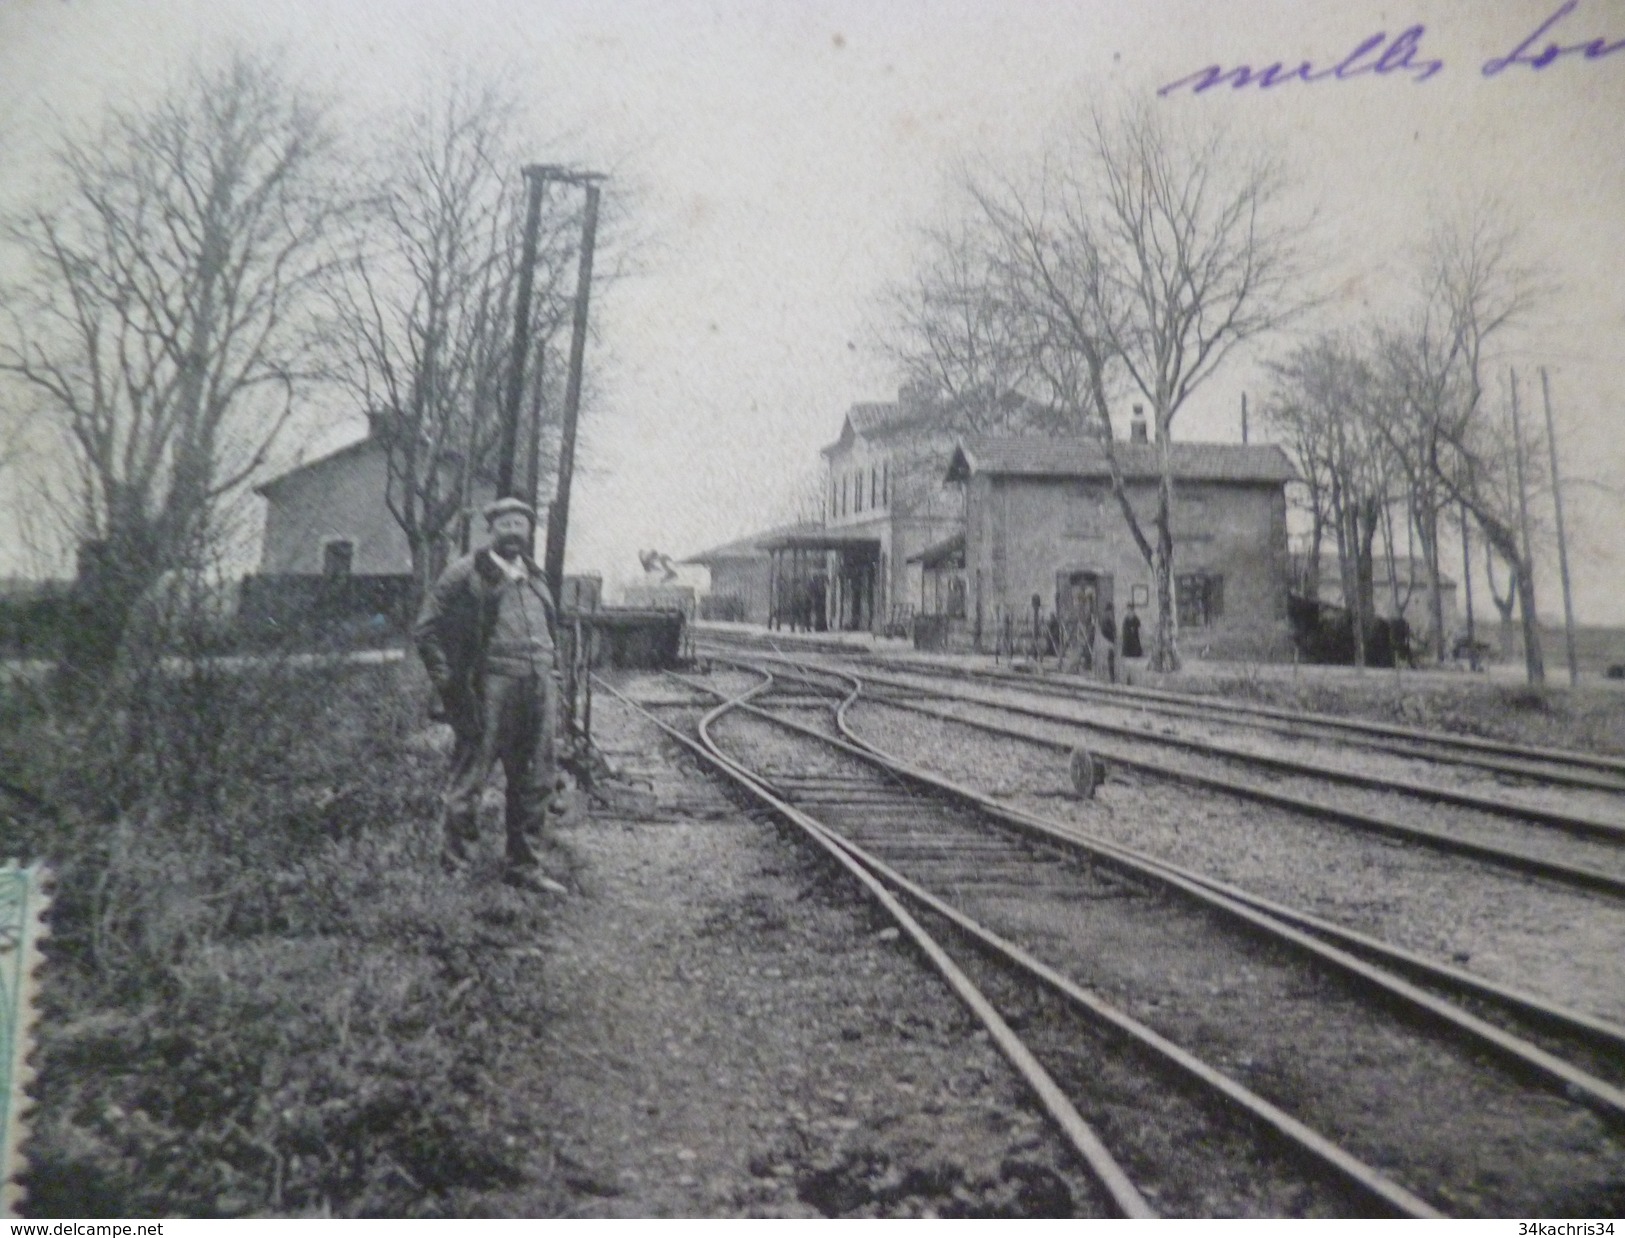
(505, 506)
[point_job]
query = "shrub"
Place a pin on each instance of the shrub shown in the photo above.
(245, 995)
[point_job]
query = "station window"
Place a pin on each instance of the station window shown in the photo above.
(843, 494)
(885, 482)
(338, 556)
(1199, 597)
(874, 486)
(857, 491)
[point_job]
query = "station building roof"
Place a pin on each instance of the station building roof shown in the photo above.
(1078, 457)
(874, 421)
(921, 412)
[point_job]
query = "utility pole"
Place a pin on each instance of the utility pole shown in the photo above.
(559, 520)
(1562, 543)
(533, 452)
(1534, 658)
(535, 182)
(1467, 583)
(1244, 417)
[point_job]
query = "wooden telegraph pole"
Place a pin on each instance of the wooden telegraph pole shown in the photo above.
(1534, 656)
(536, 178)
(1467, 586)
(558, 523)
(507, 446)
(1562, 542)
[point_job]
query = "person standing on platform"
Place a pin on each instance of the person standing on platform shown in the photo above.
(1108, 632)
(1131, 634)
(486, 636)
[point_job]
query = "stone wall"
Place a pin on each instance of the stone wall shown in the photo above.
(1023, 534)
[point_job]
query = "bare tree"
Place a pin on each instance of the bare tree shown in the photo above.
(1323, 400)
(1432, 367)
(425, 309)
(1474, 291)
(1142, 259)
(1413, 394)
(954, 332)
(164, 321)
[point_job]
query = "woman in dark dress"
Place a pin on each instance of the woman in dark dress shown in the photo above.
(1131, 634)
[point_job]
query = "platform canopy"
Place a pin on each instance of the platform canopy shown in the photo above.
(823, 539)
(947, 554)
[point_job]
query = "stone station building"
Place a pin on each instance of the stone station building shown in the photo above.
(1043, 530)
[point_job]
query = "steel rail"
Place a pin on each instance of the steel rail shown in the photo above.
(1102, 1013)
(1563, 1076)
(1600, 1033)
(1474, 743)
(1579, 825)
(1125, 1197)
(1434, 746)
(1569, 874)
(1351, 1169)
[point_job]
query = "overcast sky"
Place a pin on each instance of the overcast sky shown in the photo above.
(776, 158)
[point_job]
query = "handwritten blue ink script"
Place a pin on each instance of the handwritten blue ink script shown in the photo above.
(1381, 55)
(1594, 49)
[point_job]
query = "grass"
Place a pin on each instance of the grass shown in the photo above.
(261, 995)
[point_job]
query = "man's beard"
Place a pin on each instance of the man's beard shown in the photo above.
(510, 545)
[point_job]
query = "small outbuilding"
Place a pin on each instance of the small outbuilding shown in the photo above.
(742, 575)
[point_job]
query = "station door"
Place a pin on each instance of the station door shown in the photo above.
(1080, 596)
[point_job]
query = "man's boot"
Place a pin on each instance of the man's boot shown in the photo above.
(454, 854)
(523, 870)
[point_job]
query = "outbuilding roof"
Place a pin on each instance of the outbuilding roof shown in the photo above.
(269, 488)
(1248, 463)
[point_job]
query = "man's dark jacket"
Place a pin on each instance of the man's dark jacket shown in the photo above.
(454, 628)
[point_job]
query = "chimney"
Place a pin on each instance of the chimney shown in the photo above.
(380, 423)
(1136, 427)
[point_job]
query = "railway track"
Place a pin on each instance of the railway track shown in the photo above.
(1562, 933)
(1584, 853)
(1048, 929)
(1518, 763)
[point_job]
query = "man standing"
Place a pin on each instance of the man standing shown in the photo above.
(486, 637)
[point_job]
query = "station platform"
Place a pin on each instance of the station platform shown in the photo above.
(1195, 672)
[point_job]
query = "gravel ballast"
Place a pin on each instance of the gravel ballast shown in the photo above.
(734, 1033)
(1517, 930)
(1475, 1141)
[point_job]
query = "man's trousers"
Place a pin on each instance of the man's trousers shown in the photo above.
(517, 725)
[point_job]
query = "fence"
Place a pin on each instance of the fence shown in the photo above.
(324, 610)
(42, 625)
